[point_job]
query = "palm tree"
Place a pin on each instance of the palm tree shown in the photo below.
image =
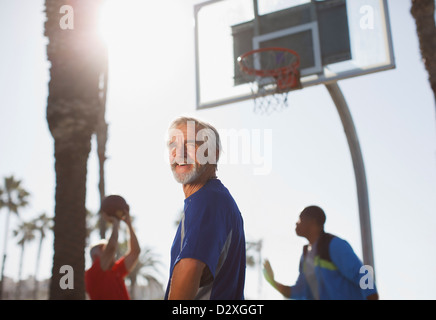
(424, 13)
(101, 135)
(74, 105)
(41, 224)
(26, 232)
(147, 268)
(91, 224)
(13, 197)
(253, 249)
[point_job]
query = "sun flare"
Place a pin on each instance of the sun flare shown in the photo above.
(122, 22)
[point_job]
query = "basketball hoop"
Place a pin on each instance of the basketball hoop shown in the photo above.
(272, 73)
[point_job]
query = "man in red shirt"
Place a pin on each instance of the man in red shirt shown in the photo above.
(105, 279)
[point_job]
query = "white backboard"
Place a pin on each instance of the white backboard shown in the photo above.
(368, 39)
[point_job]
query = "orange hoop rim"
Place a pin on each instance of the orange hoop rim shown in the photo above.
(273, 72)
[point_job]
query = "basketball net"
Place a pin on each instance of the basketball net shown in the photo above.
(271, 73)
(267, 98)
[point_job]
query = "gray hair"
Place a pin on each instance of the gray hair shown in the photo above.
(205, 130)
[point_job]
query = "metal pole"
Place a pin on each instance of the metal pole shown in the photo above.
(256, 18)
(359, 171)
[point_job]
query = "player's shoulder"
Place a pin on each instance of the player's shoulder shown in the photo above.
(339, 245)
(214, 192)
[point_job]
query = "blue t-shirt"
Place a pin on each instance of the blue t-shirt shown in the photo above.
(212, 231)
(338, 279)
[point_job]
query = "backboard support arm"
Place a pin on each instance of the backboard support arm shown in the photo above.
(359, 171)
(256, 18)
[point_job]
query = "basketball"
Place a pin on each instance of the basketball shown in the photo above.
(114, 206)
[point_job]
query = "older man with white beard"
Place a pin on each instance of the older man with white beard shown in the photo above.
(208, 252)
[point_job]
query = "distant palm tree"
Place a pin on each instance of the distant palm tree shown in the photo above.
(25, 232)
(12, 197)
(147, 268)
(74, 105)
(254, 258)
(424, 13)
(41, 224)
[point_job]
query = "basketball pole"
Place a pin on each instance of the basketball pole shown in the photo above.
(256, 18)
(359, 171)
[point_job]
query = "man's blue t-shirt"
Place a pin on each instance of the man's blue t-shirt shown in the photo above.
(212, 231)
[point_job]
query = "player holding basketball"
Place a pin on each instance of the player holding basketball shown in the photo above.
(208, 252)
(105, 279)
(329, 268)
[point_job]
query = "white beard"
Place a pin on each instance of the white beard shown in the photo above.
(188, 177)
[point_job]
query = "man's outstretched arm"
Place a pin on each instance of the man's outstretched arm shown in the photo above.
(133, 251)
(269, 276)
(109, 252)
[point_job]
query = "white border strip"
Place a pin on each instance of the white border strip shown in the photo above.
(313, 26)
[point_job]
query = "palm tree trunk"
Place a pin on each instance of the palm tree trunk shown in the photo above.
(73, 107)
(70, 214)
(101, 133)
(20, 270)
(4, 253)
(132, 290)
(424, 13)
(38, 259)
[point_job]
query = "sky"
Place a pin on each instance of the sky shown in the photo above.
(303, 158)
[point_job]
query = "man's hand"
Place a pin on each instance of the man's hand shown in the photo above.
(110, 219)
(268, 272)
(269, 276)
(126, 216)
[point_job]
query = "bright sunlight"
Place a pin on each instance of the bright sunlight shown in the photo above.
(123, 25)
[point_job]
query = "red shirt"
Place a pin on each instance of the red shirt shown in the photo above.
(109, 284)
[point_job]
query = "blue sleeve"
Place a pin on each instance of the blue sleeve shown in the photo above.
(298, 290)
(348, 263)
(205, 235)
